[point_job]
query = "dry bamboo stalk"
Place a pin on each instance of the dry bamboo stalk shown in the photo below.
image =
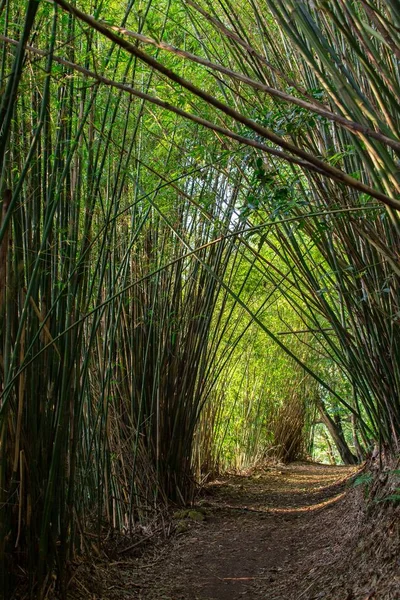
(21, 393)
(46, 331)
(4, 250)
(21, 495)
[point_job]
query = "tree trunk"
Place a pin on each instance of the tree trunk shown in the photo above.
(357, 445)
(331, 456)
(335, 429)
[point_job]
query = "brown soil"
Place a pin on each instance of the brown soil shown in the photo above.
(287, 533)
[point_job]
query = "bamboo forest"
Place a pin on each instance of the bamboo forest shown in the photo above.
(200, 299)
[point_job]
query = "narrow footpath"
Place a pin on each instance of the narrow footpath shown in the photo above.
(276, 534)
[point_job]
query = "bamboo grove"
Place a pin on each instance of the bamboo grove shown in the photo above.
(199, 253)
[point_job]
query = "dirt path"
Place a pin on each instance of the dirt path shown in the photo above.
(259, 530)
(262, 537)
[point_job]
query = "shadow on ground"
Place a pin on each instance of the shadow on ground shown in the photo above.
(275, 534)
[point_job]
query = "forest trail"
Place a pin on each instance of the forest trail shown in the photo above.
(264, 535)
(260, 530)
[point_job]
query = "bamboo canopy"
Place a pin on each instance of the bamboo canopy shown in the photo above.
(199, 253)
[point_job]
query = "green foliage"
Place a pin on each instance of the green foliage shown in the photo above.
(365, 479)
(200, 246)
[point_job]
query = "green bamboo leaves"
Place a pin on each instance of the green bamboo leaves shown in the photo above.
(181, 178)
